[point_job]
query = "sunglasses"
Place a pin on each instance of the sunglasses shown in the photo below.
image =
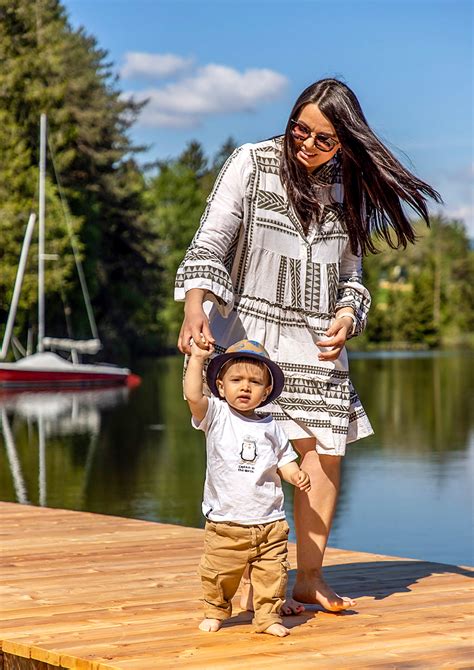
(300, 132)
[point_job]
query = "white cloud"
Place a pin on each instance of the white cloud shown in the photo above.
(457, 189)
(465, 213)
(154, 118)
(153, 66)
(212, 89)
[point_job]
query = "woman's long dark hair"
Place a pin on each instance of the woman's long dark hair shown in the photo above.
(375, 182)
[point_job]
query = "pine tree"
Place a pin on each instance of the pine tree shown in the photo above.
(49, 67)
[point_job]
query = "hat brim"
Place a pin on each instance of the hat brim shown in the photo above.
(215, 365)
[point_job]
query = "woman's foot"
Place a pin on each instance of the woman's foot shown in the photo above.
(277, 629)
(210, 625)
(317, 591)
(289, 607)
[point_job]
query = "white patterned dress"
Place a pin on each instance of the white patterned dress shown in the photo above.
(270, 282)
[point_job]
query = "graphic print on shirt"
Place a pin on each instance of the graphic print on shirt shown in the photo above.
(248, 454)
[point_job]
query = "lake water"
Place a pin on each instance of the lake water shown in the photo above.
(406, 491)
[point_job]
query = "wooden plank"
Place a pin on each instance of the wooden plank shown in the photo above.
(16, 648)
(91, 592)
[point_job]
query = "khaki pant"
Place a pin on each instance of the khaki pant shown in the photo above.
(228, 548)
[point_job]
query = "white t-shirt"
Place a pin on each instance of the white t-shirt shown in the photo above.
(242, 483)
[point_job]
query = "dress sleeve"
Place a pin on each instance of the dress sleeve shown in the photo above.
(351, 292)
(208, 260)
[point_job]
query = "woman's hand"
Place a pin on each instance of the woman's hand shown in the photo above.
(337, 333)
(195, 324)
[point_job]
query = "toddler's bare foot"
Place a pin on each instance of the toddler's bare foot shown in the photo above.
(316, 591)
(290, 606)
(210, 625)
(277, 629)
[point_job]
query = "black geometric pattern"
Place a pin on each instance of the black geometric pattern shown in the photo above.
(248, 238)
(316, 370)
(265, 312)
(269, 164)
(271, 201)
(332, 221)
(230, 256)
(279, 226)
(209, 272)
(313, 405)
(272, 312)
(295, 282)
(332, 270)
(295, 220)
(309, 386)
(197, 254)
(329, 174)
(312, 284)
(349, 296)
(281, 281)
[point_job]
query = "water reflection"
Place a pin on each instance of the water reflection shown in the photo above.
(46, 416)
(64, 412)
(405, 490)
(418, 403)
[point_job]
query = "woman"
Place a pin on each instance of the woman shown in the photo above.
(277, 258)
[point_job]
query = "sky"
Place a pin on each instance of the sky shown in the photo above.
(218, 68)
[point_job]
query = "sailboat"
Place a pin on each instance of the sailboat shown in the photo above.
(46, 368)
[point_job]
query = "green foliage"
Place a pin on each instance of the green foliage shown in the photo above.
(49, 67)
(422, 295)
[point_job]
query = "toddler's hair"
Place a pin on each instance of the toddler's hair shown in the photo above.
(246, 360)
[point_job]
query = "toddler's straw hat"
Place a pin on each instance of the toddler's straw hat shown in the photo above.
(246, 349)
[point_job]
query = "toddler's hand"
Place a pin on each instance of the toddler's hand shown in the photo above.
(199, 352)
(302, 480)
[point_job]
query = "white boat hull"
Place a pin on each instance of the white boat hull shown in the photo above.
(46, 370)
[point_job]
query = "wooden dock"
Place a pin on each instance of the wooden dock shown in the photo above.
(93, 592)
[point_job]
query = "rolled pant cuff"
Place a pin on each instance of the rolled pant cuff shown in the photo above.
(263, 625)
(216, 614)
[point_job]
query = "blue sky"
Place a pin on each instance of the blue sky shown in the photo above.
(214, 68)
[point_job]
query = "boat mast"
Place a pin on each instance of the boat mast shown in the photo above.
(17, 289)
(42, 180)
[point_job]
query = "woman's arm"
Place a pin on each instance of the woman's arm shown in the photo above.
(352, 307)
(195, 323)
(205, 266)
(352, 296)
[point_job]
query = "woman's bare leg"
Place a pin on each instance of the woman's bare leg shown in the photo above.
(313, 515)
